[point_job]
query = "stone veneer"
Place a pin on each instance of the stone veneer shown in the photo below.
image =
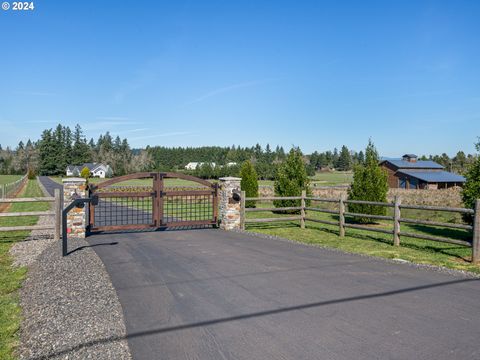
(229, 208)
(76, 218)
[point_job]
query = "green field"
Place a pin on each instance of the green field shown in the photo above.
(332, 178)
(375, 244)
(11, 277)
(6, 179)
(320, 179)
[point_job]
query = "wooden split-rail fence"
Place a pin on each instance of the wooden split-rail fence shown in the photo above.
(56, 212)
(342, 213)
(9, 189)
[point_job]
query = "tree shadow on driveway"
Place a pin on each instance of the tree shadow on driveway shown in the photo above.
(269, 312)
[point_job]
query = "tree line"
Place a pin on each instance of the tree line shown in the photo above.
(345, 160)
(218, 161)
(62, 146)
(59, 147)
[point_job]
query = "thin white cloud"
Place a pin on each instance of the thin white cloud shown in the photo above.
(228, 89)
(133, 130)
(35, 93)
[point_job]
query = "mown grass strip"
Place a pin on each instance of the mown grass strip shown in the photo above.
(11, 277)
(7, 179)
(376, 244)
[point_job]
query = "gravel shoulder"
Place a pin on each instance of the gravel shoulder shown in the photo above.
(70, 309)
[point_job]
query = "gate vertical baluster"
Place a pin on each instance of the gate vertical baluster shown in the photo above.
(160, 198)
(215, 204)
(154, 199)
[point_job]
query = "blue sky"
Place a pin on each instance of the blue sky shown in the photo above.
(314, 74)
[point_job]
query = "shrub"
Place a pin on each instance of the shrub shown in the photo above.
(369, 184)
(85, 173)
(471, 188)
(31, 174)
(291, 178)
(249, 182)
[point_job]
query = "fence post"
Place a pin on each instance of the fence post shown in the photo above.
(341, 213)
(476, 234)
(396, 220)
(4, 192)
(242, 210)
(58, 214)
(229, 207)
(76, 221)
(302, 211)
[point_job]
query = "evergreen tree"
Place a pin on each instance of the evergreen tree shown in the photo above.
(361, 157)
(369, 184)
(344, 162)
(249, 182)
(47, 149)
(460, 162)
(81, 152)
(471, 188)
(205, 171)
(291, 179)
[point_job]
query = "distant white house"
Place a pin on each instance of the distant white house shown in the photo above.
(231, 164)
(195, 165)
(96, 169)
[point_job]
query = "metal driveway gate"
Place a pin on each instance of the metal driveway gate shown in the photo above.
(152, 200)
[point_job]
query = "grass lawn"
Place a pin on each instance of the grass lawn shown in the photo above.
(332, 178)
(320, 179)
(375, 244)
(11, 278)
(6, 179)
(265, 182)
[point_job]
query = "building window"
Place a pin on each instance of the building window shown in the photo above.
(403, 183)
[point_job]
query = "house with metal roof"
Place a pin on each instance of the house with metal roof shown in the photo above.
(411, 173)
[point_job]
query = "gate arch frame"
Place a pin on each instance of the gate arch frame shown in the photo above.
(158, 195)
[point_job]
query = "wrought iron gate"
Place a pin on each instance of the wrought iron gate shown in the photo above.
(151, 200)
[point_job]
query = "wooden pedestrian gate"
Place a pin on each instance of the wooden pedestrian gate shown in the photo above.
(152, 200)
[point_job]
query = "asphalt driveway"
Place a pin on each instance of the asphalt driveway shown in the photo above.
(210, 294)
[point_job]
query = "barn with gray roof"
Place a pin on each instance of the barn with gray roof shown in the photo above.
(411, 173)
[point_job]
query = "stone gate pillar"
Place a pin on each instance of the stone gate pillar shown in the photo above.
(77, 218)
(229, 208)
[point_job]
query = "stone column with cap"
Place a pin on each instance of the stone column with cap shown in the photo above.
(77, 217)
(229, 208)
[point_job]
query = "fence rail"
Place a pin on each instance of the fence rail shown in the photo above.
(10, 189)
(396, 219)
(56, 213)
